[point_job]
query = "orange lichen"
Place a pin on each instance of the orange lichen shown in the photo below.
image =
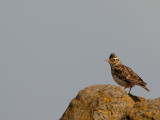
(110, 102)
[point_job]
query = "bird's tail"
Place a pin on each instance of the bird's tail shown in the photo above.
(145, 87)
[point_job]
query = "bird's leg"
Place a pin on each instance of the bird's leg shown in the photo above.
(130, 89)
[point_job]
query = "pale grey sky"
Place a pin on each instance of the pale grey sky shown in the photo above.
(51, 49)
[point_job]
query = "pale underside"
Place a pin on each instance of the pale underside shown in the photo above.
(122, 82)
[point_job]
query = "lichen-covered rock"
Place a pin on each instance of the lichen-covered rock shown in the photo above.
(109, 102)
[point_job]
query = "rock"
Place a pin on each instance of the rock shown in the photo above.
(109, 102)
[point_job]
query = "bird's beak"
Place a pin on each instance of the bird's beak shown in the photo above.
(107, 60)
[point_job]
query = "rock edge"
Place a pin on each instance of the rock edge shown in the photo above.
(109, 102)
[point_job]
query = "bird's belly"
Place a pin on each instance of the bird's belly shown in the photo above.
(121, 82)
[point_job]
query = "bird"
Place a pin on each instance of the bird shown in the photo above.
(123, 75)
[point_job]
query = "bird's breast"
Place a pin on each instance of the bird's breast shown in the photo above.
(119, 81)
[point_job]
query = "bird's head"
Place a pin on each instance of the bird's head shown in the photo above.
(113, 60)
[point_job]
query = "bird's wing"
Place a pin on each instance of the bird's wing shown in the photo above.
(124, 72)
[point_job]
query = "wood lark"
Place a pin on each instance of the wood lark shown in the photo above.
(124, 75)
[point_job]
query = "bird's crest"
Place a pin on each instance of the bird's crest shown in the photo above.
(113, 55)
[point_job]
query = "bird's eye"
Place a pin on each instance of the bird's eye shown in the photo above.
(114, 59)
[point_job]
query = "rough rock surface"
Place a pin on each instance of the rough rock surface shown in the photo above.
(109, 102)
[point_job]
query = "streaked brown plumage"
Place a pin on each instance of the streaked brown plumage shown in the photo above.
(124, 75)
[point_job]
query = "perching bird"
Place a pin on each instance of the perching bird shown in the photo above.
(124, 75)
